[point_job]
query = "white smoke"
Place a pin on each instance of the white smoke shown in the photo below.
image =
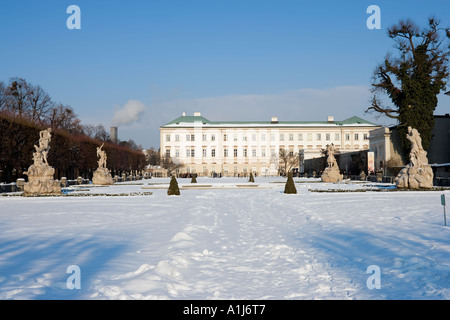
(129, 113)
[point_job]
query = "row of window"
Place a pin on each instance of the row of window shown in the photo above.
(282, 137)
(190, 153)
(226, 170)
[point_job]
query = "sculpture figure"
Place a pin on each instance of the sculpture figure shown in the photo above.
(102, 157)
(102, 176)
(418, 173)
(40, 174)
(331, 172)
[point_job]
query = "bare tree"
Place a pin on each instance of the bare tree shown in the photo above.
(63, 117)
(39, 103)
(2, 95)
(131, 144)
(170, 165)
(275, 161)
(25, 100)
(153, 157)
(95, 131)
(288, 160)
(16, 96)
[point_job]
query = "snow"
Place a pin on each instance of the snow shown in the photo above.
(225, 239)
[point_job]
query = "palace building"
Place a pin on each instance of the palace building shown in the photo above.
(232, 148)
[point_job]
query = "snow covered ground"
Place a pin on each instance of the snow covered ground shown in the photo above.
(225, 240)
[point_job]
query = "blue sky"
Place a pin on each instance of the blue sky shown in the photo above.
(230, 60)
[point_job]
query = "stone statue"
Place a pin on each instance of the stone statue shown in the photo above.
(331, 160)
(418, 173)
(331, 172)
(40, 174)
(102, 176)
(102, 155)
(44, 143)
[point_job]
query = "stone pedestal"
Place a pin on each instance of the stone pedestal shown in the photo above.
(20, 184)
(40, 180)
(332, 175)
(102, 176)
(413, 177)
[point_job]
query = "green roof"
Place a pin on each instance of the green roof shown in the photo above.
(189, 119)
(355, 120)
(193, 119)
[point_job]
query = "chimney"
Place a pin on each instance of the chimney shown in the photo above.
(274, 120)
(330, 119)
(197, 114)
(113, 135)
(184, 114)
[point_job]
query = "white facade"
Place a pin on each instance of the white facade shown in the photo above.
(238, 148)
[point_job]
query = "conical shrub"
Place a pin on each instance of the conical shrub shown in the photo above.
(194, 178)
(251, 179)
(290, 185)
(173, 187)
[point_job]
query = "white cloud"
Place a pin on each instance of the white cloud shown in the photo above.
(130, 113)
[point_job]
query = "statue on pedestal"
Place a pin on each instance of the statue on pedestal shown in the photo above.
(418, 173)
(102, 176)
(40, 174)
(331, 172)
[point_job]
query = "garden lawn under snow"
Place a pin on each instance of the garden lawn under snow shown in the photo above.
(225, 240)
